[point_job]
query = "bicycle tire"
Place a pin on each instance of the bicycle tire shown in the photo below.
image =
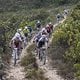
(15, 57)
(15, 60)
(43, 56)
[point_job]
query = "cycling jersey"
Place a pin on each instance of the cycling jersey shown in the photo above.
(17, 35)
(38, 25)
(42, 41)
(17, 43)
(43, 31)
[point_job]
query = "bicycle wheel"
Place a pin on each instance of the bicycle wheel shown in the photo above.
(43, 56)
(15, 56)
(40, 54)
(15, 60)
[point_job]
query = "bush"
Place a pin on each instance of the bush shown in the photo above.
(67, 36)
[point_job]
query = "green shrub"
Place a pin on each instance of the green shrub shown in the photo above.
(67, 36)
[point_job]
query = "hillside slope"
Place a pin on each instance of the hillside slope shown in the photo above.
(65, 47)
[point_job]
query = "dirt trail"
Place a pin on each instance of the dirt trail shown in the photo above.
(17, 72)
(49, 72)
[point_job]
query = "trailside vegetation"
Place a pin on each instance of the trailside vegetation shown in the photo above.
(65, 47)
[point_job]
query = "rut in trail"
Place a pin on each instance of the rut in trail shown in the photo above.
(49, 72)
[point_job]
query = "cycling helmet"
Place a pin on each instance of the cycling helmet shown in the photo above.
(19, 30)
(26, 27)
(17, 35)
(38, 21)
(50, 23)
(47, 25)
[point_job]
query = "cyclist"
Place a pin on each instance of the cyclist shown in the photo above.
(44, 36)
(38, 36)
(48, 28)
(51, 26)
(30, 31)
(58, 17)
(38, 25)
(16, 42)
(26, 33)
(42, 43)
(36, 39)
(65, 13)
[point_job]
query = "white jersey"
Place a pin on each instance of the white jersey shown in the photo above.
(43, 29)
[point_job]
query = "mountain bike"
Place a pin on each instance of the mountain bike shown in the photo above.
(42, 55)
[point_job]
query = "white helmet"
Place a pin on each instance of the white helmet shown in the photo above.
(17, 35)
(50, 23)
(47, 25)
(26, 27)
(38, 21)
(19, 30)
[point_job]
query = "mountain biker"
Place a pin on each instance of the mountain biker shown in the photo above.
(48, 28)
(26, 31)
(38, 25)
(26, 35)
(65, 12)
(51, 26)
(58, 17)
(30, 29)
(38, 36)
(42, 43)
(16, 42)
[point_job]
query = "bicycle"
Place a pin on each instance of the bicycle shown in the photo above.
(42, 55)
